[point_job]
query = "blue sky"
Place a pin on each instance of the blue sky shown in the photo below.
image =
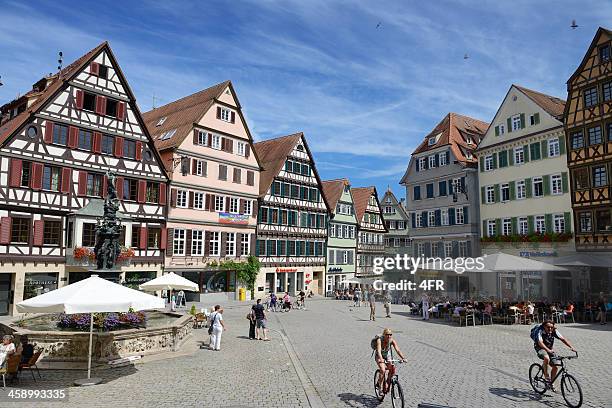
(364, 96)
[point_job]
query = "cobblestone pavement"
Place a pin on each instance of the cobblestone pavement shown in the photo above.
(332, 366)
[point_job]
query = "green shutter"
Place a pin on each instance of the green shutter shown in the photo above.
(497, 197)
(514, 225)
(498, 226)
(536, 118)
(482, 195)
(536, 148)
(503, 158)
(530, 228)
(513, 190)
(287, 165)
(484, 228)
(496, 130)
(522, 121)
(482, 163)
(526, 153)
(544, 144)
(511, 157)
(494, 160)
(564, 186)
(548, 222)
(568, 225)
(528, 187)
(509, 123)
(546, 182)
(562, 144)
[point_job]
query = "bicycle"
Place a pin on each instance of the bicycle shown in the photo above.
(570, 389)
(391, 383)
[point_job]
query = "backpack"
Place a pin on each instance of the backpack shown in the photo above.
(535, 331)
(374, 341)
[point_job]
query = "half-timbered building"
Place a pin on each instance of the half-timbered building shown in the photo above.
(292, 219)
(207, 148)
(371, 229)
(55, 149)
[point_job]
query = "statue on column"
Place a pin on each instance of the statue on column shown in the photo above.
(108, 230)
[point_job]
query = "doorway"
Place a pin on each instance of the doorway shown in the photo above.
(6, 280)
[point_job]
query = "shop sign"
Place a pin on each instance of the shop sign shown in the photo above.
(537, 254)
(286, 270)
(532, 274)
(229, 218)
(332, 270)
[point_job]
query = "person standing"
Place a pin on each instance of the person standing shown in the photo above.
(388, 305)
(425, 301)
(601, 305)
(218, 327)
(260, 321)
(251, 319)
(358, 296)
(372, 301)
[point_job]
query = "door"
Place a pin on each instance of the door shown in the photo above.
(5, 293)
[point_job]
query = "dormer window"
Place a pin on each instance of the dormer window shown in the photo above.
(300, 148)
(161, 121)
(469, 140)
(604, 54)
(431, 141)
(468, 155)
(167, 135)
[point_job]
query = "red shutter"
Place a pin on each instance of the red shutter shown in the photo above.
(227, 204)
(118, 147)
(48, 132)
(233, 120)
(121, 110)
(143, 237)
(16, 168)
(5, 230)
(142, 189)
(162, 193)
(73, 137)
(104, 186)
(209, 140)
(164, 238)
(94, 68)
(247, 151)
(79, 99)
(37, 173)
(82, 188)
(39, 228)
(139, 150)
(97, 142)
(194, 166)
(241, 206)
(230, 145)
(119, 187)
(218, 112)
(173, 197)
(66, 180)
(100, 105)
(254, 209)
(196, 134)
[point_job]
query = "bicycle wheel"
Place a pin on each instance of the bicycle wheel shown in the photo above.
(536, 378)
(571, 391)
(379, 394)
(397, 395)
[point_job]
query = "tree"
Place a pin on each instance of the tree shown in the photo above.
(246, 272)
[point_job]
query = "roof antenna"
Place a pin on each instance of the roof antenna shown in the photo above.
(1, 80)
(154, 99)
(60, 61)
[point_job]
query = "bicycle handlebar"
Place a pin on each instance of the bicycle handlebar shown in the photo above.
(567, 357)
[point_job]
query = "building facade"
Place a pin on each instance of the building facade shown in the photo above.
(292, 218)
(588, 129)
(371, 229)
(525, 206)
(397, 240)
(57, 143)
(442, 197)
(342, 234)
(207, 148)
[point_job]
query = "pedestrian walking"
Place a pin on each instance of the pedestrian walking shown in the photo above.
(358, 296)
(387, 305)
(261, 321)
(217, 327)
(425, 301)
(372, 300)
(251, 318)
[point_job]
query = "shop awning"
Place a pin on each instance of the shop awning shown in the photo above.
(585, 259)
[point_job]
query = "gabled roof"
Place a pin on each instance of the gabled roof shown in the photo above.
(333, 189)
(452, 131)
(272, 155)
(182, 114)
(551, 104)
(56, 84)
(395, 202)
(361, 197)
(599, 32)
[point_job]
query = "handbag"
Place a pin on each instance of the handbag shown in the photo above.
(212, 322)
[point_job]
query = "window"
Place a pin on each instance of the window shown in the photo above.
(553, 147)
(52, 232)
(214, 246)
(431, 218)
(463, 249)
(51, 178)
(160, 121)
(585, 222)
(558, 223)
(581, 178)
(401, 225)
(130, 189)
(230, 244)
(507, 226)
(245, 245)
(233, 205)
(178, 242)
(250, 178)
(489, 194)
(222, 172)
(590, 97)
(60, 134)
(502, 129)
(219, 204)
(200, 168)
(489, 162)
(521, 191)
(248, 207)
(448, 249)
(516, 122)
(215, 142)
(604, 54)
(430, 190)
(197, 243)
(505, 192)
(89, 234)
(442, 159)
(538, 187)
(85, 139)
(523, 224)
(532, 120)
(431, 141)
(422, 163)
(432, 162)
(225, 115)
(198, 201)
(603, 220)
(595, 135)
(25, 174)
(416, 193)
(459, 216)
(600, 177)
(577, 140)
(540, 224)
(202, 138)
(519, 155)
(607, 91)
(102, 71)
(152, 192)
(421, 249)
(238, 176)
(240, 148)
(444, 217)
(434, 250)
(20, 230)
(491, 228)
(89, 101)
(94, 185)
(129, 149)
(181, 198)
(418, 220)
(111, 107)
(108, 144)
(153, 237)
(555, 184)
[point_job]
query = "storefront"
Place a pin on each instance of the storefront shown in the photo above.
(6, 293)
(36, 284)
(335, 276)
(134, 279)
(287, 279)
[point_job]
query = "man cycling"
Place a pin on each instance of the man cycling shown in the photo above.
(544, 347)
(384, 353)
(301, 299)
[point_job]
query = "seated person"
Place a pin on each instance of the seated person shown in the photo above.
(25, 349)
(7, 348)
(569, 309)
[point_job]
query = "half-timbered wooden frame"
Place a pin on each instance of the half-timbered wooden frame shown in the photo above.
(371, 229)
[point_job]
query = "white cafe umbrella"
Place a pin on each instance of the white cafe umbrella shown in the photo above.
(169, 281)
(91, 295)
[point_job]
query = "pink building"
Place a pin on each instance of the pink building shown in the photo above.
(207, 149)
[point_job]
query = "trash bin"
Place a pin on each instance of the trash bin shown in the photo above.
(241, 294)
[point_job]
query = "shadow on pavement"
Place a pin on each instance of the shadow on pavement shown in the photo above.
(354, 400)
(427, 405)
(517, 395)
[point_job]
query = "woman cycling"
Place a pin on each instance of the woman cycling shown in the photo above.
(384, 353)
